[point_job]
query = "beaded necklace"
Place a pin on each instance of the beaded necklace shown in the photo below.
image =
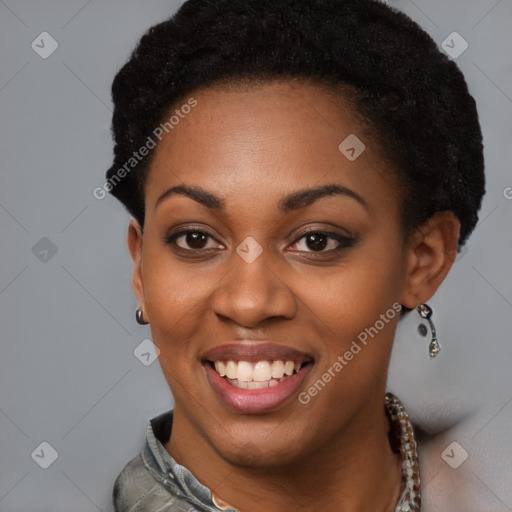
(410, 497)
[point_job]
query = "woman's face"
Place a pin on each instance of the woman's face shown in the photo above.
(276, 246)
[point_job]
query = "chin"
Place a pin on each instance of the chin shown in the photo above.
(260, 446)
(252, 456)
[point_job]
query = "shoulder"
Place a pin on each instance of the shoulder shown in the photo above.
(137, 490)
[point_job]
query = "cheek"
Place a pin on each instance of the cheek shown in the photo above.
(353, 295)
(175, 295)
(173, 287)
(354, 310)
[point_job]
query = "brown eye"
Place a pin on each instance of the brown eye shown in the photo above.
(317, 241)
(192, 240)
(320, 241)
(195, 240)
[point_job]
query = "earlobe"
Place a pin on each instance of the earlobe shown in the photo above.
(134, 240)
(431, 253)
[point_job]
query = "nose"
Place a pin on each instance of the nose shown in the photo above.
(251, 293)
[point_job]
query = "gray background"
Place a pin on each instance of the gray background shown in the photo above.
(68, 373)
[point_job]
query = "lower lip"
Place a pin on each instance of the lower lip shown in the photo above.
(254, 401)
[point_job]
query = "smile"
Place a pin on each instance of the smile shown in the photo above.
(259, 375)
(255, 378)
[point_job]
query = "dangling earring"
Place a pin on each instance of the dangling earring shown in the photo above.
(139, 317)
(434, 347)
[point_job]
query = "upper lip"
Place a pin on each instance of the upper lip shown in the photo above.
(253, 351)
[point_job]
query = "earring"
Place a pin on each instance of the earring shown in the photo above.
(139, 317)
(434, 347)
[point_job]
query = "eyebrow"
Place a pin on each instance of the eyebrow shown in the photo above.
(294, 201)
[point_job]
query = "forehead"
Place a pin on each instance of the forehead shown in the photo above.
(265, 139)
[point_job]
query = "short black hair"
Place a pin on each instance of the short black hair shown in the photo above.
(410, 93)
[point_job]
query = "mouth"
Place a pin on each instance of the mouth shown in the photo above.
(255, 378)
(260, 375)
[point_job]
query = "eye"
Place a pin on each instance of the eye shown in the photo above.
(322, 241)
(192, 240)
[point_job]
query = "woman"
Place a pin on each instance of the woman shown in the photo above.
(300, 174)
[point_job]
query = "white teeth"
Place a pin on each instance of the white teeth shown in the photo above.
(277, 369)
(253, 384)
(244, 371)
(262, 371)
(231, 370)
(220, 366)
(258, 375)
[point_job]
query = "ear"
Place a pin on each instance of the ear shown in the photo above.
(431, 251)
(135, 247)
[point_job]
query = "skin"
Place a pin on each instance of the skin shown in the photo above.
(251, 146)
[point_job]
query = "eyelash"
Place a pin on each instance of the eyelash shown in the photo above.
(343, 241)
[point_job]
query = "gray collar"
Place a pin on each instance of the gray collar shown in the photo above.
(177, 479)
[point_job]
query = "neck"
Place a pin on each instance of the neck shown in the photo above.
(355, 470)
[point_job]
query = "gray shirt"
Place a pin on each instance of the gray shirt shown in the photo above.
(154, 482)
